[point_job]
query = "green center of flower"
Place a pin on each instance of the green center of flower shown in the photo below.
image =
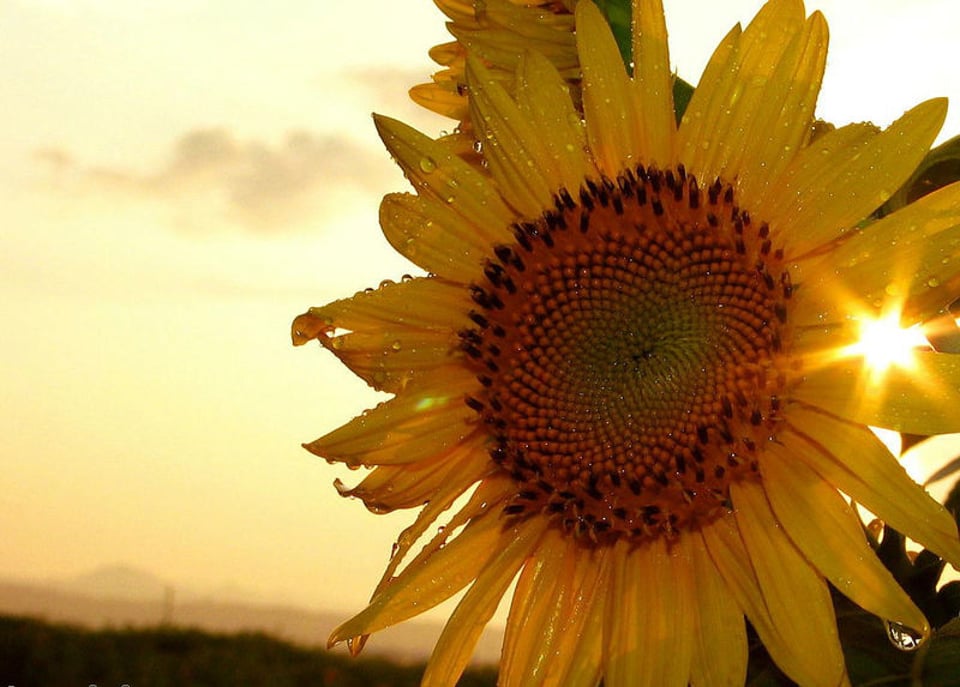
(627, 344)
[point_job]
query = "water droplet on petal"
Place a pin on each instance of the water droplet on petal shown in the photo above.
(396, 345)
(903, 637)
(428, 165)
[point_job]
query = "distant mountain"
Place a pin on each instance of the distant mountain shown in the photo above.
(116, 582)
(121, 596)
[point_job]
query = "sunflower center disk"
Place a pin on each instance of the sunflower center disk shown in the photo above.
(627, 344)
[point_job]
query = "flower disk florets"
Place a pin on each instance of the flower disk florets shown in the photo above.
(627, 344)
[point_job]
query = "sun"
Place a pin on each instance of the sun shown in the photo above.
(884, 343)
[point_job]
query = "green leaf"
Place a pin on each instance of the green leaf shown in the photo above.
(939, 168)
(618, 13)
(938, 661)
(870, 656)
(682, 93)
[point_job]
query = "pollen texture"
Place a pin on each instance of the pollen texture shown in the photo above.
(627, 344)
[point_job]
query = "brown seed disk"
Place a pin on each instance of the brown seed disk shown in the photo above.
(628, 347)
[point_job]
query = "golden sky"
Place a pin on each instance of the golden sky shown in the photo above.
(178, 180)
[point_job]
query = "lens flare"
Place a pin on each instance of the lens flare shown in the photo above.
(884, 343)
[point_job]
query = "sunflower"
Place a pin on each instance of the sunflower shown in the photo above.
(632, 378)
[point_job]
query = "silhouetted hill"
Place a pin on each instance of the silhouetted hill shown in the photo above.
(409, 642)
(54, 655)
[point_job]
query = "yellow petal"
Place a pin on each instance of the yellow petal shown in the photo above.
(459, 637)
(696, 144)
(535, 610)
(389, 487)
(782, 122)
(553, 631)
(609, 99)
(440, 98)
(920, 398)
(433, 237)
(809, 174)
(394, 336)
(729, 554)
(653, 83)
(827, 531)
(720, 636)
(415, 425)
(511, 145)
(795, 595)
(851, 458)
(649, 635)
(724, 115)
(580, 643)
(910, 256)
(844, 176)
(431, 580)
(422, 304)
(585, 668)
(443, 177)
(489, 494)
(450, 570)
(543, 99)
(506, 28)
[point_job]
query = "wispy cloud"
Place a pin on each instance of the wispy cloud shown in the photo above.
(259, 186)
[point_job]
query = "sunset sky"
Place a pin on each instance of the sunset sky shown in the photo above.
(178, 180)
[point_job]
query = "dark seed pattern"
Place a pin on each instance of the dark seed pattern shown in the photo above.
(629, 351)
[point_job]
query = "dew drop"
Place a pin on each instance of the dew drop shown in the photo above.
(396, 345)
(933, 282)
(903, 637)
(428, 165)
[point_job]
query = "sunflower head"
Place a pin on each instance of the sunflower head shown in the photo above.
(629, 349)
(634, 357)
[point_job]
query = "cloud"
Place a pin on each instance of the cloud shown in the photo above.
(261, 187)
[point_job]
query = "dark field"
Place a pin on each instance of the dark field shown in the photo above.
(38, 654)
